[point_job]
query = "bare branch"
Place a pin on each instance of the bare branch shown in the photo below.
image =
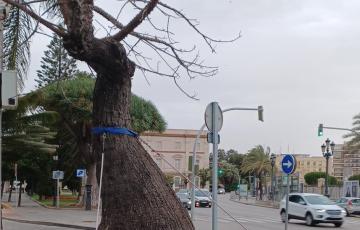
(136, 20)
(46, 23)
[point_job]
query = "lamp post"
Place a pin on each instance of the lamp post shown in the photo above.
(327, 151)
(260, 111)
(55, 158)
(272, 161)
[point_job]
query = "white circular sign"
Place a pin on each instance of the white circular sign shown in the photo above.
(213, 109)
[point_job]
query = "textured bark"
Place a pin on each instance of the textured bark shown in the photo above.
(134, 194)
(10, 191)
(20, 192)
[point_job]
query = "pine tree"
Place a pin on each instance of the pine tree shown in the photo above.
(56, 64)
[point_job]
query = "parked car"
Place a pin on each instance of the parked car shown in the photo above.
(313, 208)
(350, 204)
(184, 199)
(184, 191)
(202, 198)
(221, 191)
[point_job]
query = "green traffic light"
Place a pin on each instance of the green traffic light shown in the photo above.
(320, 130)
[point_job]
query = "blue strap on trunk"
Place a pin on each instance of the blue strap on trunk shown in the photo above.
(114, 130)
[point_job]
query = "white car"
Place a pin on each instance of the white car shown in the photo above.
(313, 208)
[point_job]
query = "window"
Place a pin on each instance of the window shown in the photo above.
(177, 163)
(197, 162)
(177, 145)
(177, 181)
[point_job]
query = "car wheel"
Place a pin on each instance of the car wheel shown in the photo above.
(283, 216)
(338, 225)
(309, 219)
(209, 206)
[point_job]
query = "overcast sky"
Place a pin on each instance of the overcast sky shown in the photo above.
(300, 59)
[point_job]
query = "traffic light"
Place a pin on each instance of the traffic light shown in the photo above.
(260, 113)
(320, 130)
(220, 171)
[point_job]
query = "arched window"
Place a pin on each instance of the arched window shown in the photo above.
(177, 181)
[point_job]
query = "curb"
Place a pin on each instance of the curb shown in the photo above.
(49, 224)
(51, 207)
(258, 205)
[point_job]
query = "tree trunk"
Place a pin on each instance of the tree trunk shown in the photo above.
(135, 195)
(2, 189)
(20, 192)
(10, 191)
(91, 179)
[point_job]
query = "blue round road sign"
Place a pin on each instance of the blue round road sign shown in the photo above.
(288, 164)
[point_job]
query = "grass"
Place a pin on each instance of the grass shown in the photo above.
(66, 200)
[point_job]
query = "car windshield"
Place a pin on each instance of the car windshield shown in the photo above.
(321, 200)
(183, 191)
(202, 193)
(182, 196)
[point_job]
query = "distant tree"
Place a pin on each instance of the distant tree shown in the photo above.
(257, 162)
(235, 158)
(56, 64)
(229, 176)
(311, 178)
(205, 176)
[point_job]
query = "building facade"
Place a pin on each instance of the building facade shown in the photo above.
(307, 163)
(175, 147)
(346, 163)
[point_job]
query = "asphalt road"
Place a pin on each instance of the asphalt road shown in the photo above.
(256, 218)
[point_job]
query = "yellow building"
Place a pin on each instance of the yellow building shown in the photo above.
(176, 147)
(306, 163)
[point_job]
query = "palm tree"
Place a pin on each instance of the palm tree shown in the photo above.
(257, 161)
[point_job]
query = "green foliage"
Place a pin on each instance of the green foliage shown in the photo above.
(355, 177)
(205, 176)
(311, 178)
(257, 161)
(17, 31)
(230, 175)
(56, 64)
(169, 179)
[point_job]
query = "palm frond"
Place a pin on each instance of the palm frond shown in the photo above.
(18, 27)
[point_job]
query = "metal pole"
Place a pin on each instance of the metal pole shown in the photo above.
(57, 193)
(326, 175)
(193, 172)
(194, 158)
(215, 170)
(272, 184)
(239, 185)
(287, 202)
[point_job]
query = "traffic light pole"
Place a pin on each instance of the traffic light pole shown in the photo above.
(260, 110)
(335, 128)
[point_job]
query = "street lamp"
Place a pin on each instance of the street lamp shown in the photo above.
(272, 161)
(327, 151)
(260, 111)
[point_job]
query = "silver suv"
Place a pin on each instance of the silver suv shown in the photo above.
(313, 208)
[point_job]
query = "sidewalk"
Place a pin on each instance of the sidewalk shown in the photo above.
(253, 201)
(32, 212)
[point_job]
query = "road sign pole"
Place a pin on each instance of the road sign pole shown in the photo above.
(287, 201)
(215, 167)
(57, 193)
